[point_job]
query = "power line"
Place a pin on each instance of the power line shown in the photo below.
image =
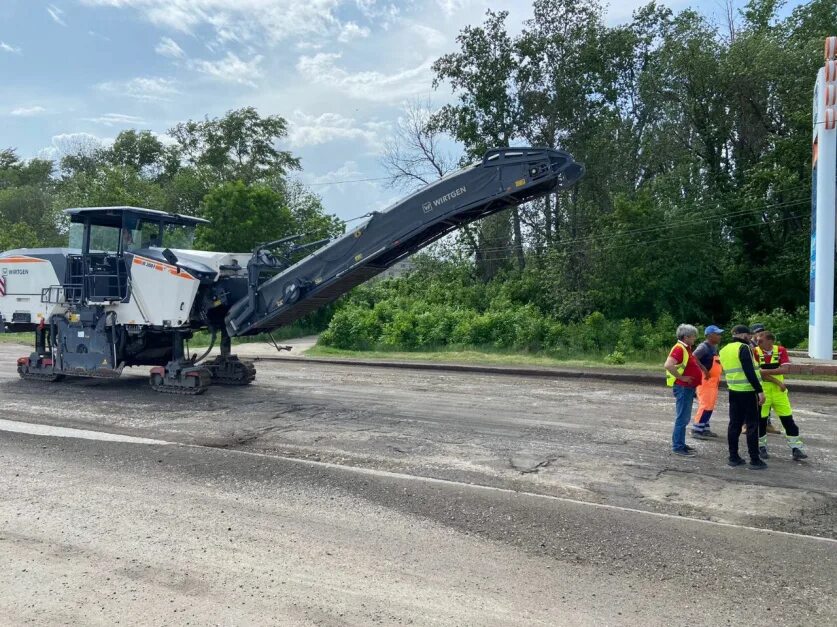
(378, 178)
(638, 243)
(649, 230)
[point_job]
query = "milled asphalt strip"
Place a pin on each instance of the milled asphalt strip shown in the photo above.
(641, 377)
(84, 434)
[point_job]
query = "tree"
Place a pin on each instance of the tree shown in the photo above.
(243, 216)
(141, 151)
(483, 76)
(241, 145)
(414, 156)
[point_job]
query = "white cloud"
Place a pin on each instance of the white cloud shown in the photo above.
(366, 85)
(27, 111)
(433, 38)
(56, 14)
(449, 7)
(231, 69)
(348, 173)
(116, 119)
(310, 130)
(242, 20)
(168, 48)
(73, 144)
(10, 48)
(142, 88)
(350, 31)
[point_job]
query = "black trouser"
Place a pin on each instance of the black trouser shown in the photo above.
(743, 410)
(788, 424)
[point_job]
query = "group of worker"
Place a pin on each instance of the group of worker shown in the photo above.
(754, 366)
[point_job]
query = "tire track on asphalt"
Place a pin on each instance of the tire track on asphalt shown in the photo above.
(68, 432)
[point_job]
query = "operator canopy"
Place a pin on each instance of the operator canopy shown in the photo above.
(130, 229)
(113, 216)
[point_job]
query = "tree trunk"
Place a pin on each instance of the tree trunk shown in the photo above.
(518, 238)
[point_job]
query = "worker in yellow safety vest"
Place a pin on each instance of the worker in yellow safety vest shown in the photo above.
(683, 374)
(745, 396)
(773, 359)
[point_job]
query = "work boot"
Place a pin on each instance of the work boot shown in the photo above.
(684, 452)
(757, 465)
(798, 454)
(735, 461)
(763, 452)
(771, 428)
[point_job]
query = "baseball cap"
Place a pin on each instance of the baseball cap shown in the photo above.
(757, 328)
(738, 329)
(712, 329)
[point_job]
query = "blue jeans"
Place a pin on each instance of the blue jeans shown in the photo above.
(684, 398)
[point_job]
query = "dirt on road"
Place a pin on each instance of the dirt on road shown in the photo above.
(593, 441)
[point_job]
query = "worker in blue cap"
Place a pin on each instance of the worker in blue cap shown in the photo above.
(707, 392)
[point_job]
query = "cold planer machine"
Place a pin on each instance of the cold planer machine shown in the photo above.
(130, 290)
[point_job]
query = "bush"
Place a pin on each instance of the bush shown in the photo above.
(615, 358)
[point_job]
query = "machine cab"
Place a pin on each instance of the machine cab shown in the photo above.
(108, 238)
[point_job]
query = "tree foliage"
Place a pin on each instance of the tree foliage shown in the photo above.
(227, 169)
(696, 140)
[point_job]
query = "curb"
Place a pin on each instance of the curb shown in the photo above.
(799, 387)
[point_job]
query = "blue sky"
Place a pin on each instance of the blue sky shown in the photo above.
(340, 72)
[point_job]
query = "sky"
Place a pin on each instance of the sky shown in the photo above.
(340, 71)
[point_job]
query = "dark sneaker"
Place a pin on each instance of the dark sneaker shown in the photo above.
(757, 465)
(763, 452)
(700, 435)
(685, 452)
(798, 454)
(709, 434)
(735, 461)
(690, 449)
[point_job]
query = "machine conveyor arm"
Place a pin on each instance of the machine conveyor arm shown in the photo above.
(505, 177)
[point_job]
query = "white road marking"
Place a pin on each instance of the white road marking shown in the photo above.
(84, 434)
(68, 432)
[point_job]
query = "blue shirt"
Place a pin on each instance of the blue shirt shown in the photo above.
(705, 354)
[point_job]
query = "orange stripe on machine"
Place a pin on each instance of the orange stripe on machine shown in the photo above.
(162, 267)
(21, 260)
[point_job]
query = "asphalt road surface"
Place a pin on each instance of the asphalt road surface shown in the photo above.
(335, 495)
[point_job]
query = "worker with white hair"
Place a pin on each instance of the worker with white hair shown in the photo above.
(683, 374)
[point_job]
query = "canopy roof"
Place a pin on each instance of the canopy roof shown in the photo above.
(110, 215)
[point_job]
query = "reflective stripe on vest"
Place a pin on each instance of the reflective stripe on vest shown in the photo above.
(774, 361)
(681, 367)
(733, 370)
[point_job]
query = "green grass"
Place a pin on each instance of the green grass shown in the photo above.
(202, 338)
(17, 338)
(488, 357)
(648, 363)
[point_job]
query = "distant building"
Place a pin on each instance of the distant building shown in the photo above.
(400, 269)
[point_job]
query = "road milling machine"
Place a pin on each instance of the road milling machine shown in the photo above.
(130, 290)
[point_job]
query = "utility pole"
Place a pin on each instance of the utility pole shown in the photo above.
(823, 208)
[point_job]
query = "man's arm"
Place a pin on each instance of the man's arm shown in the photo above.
(699, 354)
(671, 365)
(746, 359)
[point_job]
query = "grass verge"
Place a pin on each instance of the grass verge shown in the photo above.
(485, 357)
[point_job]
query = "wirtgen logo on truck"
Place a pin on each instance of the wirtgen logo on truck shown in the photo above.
(430, 206)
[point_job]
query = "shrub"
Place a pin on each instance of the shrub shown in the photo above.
(615, 358)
